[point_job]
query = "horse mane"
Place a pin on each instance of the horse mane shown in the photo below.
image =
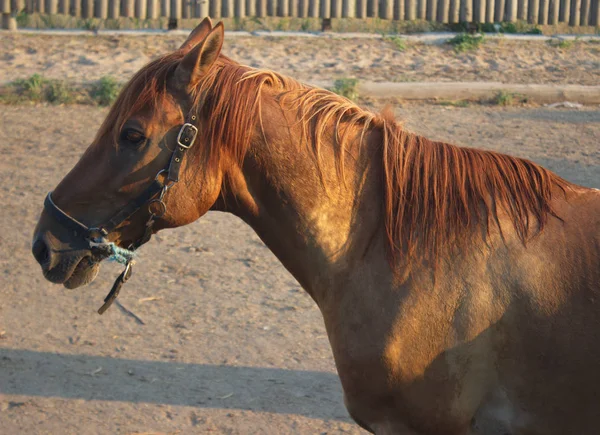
(433, 192)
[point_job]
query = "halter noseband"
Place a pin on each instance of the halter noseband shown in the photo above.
(153, 196)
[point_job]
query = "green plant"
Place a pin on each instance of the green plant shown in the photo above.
(454, 103)
(465, 42)
(305, 25)
(504, 98)
(32, 87)
(346, 87)
(58, 92)
(396, 41)
(22, 19)
(91, 24)
(564, 44)
(105, 91)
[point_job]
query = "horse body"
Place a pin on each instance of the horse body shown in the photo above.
(458, 288)
(472, 346)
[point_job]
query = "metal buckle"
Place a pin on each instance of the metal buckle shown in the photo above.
(193, 138)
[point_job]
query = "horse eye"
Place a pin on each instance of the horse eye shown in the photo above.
(131, 136)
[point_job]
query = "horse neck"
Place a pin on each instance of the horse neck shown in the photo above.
(312, 220)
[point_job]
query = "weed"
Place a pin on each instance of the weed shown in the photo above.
(454, 103)
(91, 24)
(465, 42)
(105, 91)
(32, 87)
(58, 92)
(563, 44)
(504, 98)
(396, 41)
(346, 87)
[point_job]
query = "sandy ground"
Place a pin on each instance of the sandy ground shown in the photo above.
(230, 343)
(86, 58)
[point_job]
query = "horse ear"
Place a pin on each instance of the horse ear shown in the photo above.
(197, 35)
(196, 63)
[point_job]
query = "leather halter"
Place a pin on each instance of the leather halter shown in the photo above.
(153, 196)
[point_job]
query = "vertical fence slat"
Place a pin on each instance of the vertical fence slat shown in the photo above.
(479, 10)
(261, 8)
(361, 8)
(186, 8)
(215, 9)
(421, 11)
(139, 9)
(511, 10)
(76, 8)
(165, 8)
(349, 8)
(175, 9)
(490, 8)
(40, 6)
(372, 8)
(127, 8)
(585, 13)
(387, 9)
(52, 7)
(227, 9)
(534, 11)
(499, 14)
(87, 8)
(442, 11)
(399, 9)
(282, 8)
(325, 9)
(522, 9)
(553, 13)
(575, 13)
(250, 8)
(293, 8)
(151, 8)
(63, 7)
(596, 15)
(303, 8)
(336, 8)
(543, 15)
(239, 8)
(466, 11)
(314, 6)
(454, 13)
(202, 8)
(101, 9)
(431, 10)
(565, 11)
(271, 8)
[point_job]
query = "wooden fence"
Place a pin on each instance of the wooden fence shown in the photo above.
(572, 12)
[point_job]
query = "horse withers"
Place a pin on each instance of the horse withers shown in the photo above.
(460, 288)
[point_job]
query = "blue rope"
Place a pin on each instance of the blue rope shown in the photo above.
(120, 255)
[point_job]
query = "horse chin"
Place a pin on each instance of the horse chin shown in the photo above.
(84, 273)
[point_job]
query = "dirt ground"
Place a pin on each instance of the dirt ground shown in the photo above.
(230, 343)
(313, 60)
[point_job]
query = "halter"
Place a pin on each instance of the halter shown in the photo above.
(153, 196)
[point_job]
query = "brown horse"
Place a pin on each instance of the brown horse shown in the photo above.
(459, 287)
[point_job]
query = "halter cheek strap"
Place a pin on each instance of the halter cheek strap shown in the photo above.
(152, 196)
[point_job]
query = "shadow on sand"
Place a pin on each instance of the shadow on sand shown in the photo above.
(44, 374)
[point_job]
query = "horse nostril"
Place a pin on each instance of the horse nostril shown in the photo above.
(40, 252)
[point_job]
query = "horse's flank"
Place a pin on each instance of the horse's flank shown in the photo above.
(434, 193)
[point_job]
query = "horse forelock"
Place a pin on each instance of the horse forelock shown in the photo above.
(146, 89)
